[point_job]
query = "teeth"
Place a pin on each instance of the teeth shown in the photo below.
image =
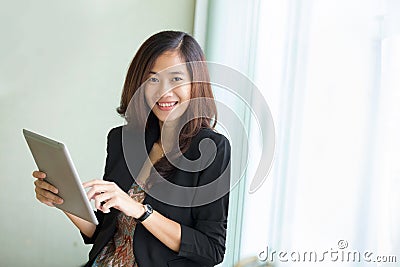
(166, 104)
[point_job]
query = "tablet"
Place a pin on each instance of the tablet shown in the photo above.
(52, 157)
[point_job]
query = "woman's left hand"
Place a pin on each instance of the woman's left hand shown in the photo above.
(114, 197)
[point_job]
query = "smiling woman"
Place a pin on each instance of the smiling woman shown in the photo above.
(135, 227)
(170, 89)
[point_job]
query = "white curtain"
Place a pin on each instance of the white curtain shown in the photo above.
(329, 71)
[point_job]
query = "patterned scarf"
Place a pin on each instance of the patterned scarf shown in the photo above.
(119, 250)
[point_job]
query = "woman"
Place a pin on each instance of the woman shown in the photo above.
(140, 222)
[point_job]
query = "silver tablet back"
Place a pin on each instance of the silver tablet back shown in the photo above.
(52, 157)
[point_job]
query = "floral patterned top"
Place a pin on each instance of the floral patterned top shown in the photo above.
(119, 250)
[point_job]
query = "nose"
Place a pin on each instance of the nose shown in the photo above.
(165, 89)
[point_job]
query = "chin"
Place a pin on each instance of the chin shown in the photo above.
(165, 117)
(167, 120)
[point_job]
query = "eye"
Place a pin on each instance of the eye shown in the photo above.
(153, 80)
(177, 79)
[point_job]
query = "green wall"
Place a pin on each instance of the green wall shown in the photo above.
(62, 67)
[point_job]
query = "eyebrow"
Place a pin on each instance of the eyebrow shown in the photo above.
(171, 72)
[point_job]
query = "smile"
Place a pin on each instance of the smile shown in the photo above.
(166, 105)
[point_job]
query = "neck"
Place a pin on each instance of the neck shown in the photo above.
(169, 134)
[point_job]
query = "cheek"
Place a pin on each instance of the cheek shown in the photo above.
(148, 96)
(185, 93)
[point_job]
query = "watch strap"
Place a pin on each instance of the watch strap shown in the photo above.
(149, 210)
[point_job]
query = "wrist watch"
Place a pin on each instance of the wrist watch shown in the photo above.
(149, 210)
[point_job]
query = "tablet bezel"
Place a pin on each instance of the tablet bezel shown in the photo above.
(53, 158)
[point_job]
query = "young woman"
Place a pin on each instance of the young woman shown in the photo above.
(141, 222)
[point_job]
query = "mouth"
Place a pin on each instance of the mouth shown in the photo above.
(165, 106)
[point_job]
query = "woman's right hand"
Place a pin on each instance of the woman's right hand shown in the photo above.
(45, 192)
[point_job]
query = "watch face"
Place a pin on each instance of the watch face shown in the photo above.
(149, 208)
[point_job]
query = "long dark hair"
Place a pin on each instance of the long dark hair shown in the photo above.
(138, 71)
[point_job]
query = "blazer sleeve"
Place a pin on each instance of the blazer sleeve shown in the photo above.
(204, 241)
(100, 215)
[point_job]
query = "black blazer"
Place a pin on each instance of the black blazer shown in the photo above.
(203, 228)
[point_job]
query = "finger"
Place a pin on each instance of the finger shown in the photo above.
(49, 204)
(44, 200)
(47, 196)
(117, 202)
(97, 204)
(108, 205)
(105, 210)
(39, 174)
(97, 189)
(103, 197)
(94, 182)
(46, 186)
(43, 196)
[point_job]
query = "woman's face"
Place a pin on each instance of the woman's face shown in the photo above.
(167, 89)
